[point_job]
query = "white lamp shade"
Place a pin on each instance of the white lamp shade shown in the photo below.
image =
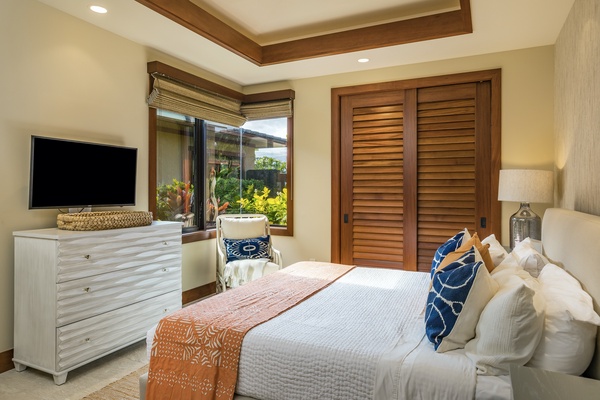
(526, 186)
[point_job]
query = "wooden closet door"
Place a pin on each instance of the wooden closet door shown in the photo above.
(372, 179)
(413, 163)
(453, 176)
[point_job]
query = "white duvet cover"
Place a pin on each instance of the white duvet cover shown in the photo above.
(352, 341)
(363, 337)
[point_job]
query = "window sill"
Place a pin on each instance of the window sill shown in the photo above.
(198, 236)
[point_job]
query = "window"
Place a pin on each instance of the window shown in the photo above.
(201, 168)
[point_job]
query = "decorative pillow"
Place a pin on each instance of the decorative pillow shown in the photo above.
(510, 326)
(241, 249)
(459, 293)
(451, 245)
(482, 250)
(497, 251)
(570, 327)
(529, 258)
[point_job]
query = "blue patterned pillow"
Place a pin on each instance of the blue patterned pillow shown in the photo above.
(451, 245)
(458, 295)
(242, 249)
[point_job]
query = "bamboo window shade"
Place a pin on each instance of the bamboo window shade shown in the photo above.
(171, 95)
(268, 109)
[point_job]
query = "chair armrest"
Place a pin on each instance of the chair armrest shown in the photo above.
(221, 262)
(221, 257)
(276, 255)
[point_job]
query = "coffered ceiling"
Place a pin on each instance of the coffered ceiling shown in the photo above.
(258, 41)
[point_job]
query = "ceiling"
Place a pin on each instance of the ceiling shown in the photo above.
(265, 24)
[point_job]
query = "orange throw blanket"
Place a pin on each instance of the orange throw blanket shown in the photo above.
(196, 351)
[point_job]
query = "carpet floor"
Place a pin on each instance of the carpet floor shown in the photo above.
(126, 388)
(32, 384)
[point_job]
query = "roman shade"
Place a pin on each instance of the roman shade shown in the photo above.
(169, 94)
(268, 109)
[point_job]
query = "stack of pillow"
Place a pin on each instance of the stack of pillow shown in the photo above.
(504, 309)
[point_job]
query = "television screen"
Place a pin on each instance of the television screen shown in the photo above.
(66, 173)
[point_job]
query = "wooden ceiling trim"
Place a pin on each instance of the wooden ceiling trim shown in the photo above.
(189, 15)
(429, 27)
(435, 26)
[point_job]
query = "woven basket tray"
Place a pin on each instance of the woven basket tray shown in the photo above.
(100, 220)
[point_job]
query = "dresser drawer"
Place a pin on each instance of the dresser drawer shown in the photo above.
(88, 255)
(86, 297)
(87, 339)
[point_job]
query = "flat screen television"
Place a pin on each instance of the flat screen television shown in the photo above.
(73, 174)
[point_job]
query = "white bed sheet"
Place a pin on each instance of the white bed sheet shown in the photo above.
(425, 362)
(296, 356)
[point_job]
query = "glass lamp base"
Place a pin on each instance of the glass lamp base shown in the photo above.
(523, 224)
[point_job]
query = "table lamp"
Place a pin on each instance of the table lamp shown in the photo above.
(525, 186)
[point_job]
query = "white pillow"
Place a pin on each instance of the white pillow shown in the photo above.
(529, 258)
(510, 326)
(569, 336)
(497, 251)
(510, 266)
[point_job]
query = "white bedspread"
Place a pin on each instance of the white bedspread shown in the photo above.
(360, 338)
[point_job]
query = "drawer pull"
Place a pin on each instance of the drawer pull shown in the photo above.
(165, 310)
(87, 340)
(87, 289)
(165, 269)
(165, 243)
(87, 256)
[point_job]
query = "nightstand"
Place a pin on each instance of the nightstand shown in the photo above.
(533, 383)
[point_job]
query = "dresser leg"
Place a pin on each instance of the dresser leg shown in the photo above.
(20, 367)
(60, 378)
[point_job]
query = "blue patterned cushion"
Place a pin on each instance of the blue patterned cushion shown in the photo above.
(451, 245)
(458, 295)
(242, 249)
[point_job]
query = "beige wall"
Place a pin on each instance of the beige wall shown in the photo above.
(577, 109)
(69, 79)
(65, 78)
(527, 132)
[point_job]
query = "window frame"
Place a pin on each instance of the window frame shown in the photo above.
(158, 67)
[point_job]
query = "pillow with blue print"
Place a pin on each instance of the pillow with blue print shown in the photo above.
(448, 247)
(459, 293)
(243, 249)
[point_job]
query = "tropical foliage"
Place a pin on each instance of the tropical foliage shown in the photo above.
(257, 202)
(173, 200)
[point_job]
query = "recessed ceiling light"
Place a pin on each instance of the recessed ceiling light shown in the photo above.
(363, 60)
(98, 9)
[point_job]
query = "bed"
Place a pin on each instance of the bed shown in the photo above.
(364, 335)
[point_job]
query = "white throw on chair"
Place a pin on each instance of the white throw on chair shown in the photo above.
(244, 250)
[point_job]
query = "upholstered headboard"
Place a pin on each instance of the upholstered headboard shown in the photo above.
(571, 239)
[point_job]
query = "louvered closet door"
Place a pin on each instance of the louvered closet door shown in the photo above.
(372, 231)
(452, 131)
(417, 165)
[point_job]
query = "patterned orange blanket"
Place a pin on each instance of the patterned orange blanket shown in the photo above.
(195, 351)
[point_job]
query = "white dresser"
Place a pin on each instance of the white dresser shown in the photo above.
(82, 295)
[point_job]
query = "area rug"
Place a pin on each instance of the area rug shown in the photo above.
(126, 388)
